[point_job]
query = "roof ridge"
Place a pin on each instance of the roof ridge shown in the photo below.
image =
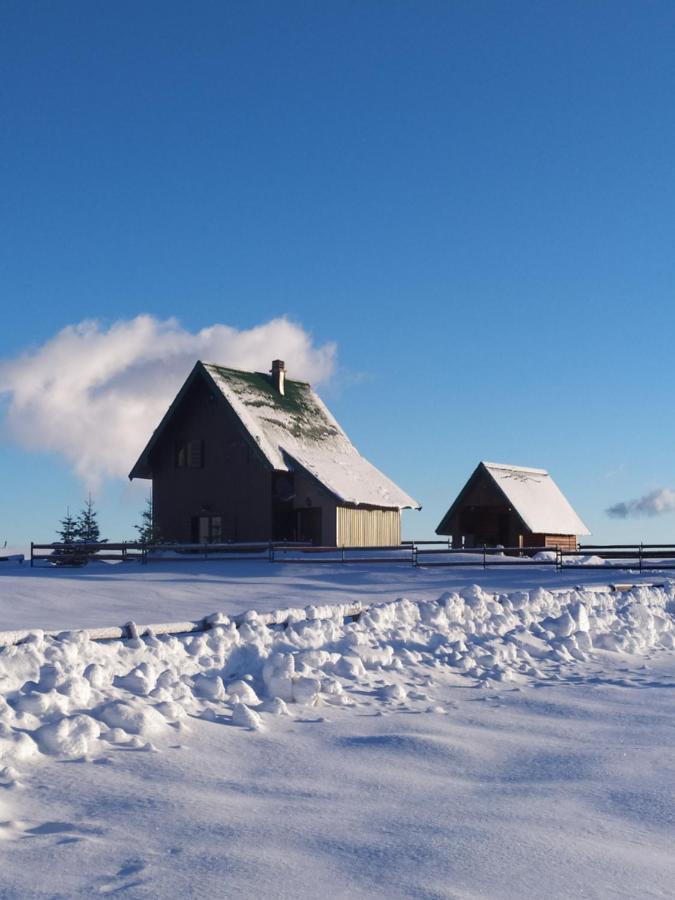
(493, 465)
(248, 372)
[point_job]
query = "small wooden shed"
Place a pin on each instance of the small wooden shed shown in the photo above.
(511, 506)
(253, 456)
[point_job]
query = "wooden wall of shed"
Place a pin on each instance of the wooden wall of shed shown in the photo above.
(362, 527)
(564, 541)
(234, 482)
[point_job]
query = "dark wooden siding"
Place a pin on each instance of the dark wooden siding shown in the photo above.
(233, 481)
(485, 517)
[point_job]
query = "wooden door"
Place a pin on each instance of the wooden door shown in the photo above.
(309, 525)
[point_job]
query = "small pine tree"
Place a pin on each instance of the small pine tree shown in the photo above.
(147, 532)
(67, 533)
(87, 528)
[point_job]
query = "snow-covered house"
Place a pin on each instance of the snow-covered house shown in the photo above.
(246, 456)
(511, 506)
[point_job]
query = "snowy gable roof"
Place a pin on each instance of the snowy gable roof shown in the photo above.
(296, 430)
(537, 499)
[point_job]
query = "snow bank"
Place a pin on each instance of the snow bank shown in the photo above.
(69, 697)
(584, 560)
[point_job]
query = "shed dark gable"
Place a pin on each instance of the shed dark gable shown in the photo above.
(479, 473)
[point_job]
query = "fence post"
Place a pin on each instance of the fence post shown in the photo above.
(31, 554)
(270, 552)
(484, 557)
(640, 557)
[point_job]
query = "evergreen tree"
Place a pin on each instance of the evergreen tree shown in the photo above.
(87, 528)
(147, 533)
(67, 533)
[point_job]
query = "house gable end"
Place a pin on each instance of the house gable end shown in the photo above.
(143, 466)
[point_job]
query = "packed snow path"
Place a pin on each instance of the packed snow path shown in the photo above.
(323, 717)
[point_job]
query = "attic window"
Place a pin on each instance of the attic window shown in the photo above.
(190, 454)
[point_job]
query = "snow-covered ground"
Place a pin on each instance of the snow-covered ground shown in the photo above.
(500, 741)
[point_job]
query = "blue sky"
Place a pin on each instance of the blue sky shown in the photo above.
(475, 201)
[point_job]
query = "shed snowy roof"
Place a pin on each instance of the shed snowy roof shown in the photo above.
(295, 430)
(536, 498)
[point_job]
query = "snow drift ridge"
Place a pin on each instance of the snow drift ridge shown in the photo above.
(70, 697)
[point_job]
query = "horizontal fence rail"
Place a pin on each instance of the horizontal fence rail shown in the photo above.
(622, 556)
(427, 554)
(487, 557)
(280, 618)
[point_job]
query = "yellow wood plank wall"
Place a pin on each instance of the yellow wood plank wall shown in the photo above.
(368, 527)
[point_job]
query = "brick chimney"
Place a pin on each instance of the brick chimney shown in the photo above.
(279, 375)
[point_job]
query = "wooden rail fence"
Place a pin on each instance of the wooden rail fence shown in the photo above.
(425, 554)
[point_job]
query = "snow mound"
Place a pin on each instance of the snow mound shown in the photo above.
(71, 697)
(588, 560)
(132, 718)
(245, 717)
(69, 737)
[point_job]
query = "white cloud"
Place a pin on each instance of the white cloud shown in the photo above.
(653, 504)
(94, 394)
